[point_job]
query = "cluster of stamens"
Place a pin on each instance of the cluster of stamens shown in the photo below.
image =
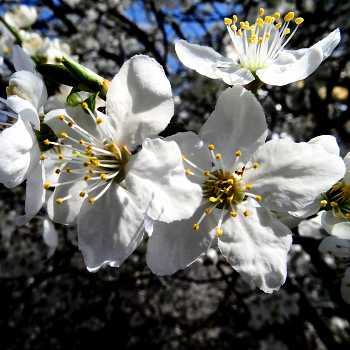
(8, 122)
(224, 189)
(337, 199)
(259, 44)
(98, 161)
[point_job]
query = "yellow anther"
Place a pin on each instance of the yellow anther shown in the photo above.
(233, 27)
(91, 200)
(239, 32)
(336, 187)
(99, 121)
(250, 41)
(60, 156)
(230, 181)
(58, 200)
(343, 183)
(86, 177)
(347, 215)
(211, 147)
(188, 172)
(334, 204)
(267, 35)
(340, 216)
(229, 199)
(228, 21)
(238, 153)
(218, 156)
(89, 147)
(70, 124)
(234, 214)
(253, 36)
(86, 163)
(299, 20)
(207, 211)
(91, 171)
(226, 190)
(260, 21)
(61, 117)
(84, 105)
(278, 25)
(82, 194)
(252, 29)
(219, 232)
(63, 134)
(242, 24)
(47, 185)
(47, 142)
(258, 198)
(103, 176)
(255, 165)
(217, 190)
(323, 203)
(345, 195)
(261, 12)
(248, 187)
(57, 171)
(81, 141)
(268, 19)
(276, 16)
(206, 173)
(246, 213)
(289, 16)
(212, 199)
(42, 157)
(287, 31)
(183, 158)
(260, 40)
(196, 227)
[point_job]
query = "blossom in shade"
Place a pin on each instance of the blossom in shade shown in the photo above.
(260, 48)
(106, 189)
(243, 180)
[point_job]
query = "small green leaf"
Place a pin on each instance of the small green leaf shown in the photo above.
(45, 133)
(74, 98)
(58, 73)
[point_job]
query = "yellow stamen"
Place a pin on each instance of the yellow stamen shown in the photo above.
(188, 172)
(228, 21)
(261, 12)
(219, 232)
(238, 153)
(57, 171)
(63, 134)
(86, 177)
(233, 27)
(91, 200)
(299, 20)
(323, 203)
(42, 157)
(206, 173)
(99, 121)
(347, 215)
(207, 211)
(103, 176)
(334, 204)
(68, 170)
(47, 142)
(70, 124)
(218, 156)
(248, 187)
(234, 214)
(91, 171)
(336, 187)
(246, 213)
(255, 165)
(258, 198)
(47, 185)
(239, 32)
(229, 199)
(195, 226)
(82, 194)
(58, 200)
(230, 181)
(278, 25)
(84, 105)
(61, 117)
(60, 156)
(287, 31)
(267, 35)
(340, 216)
(276, 16)
(211, 147)
(234, 18)
(289, 16)
(81, 141)
(183, 158)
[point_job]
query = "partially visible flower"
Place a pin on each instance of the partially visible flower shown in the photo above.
(103, 187)
(52, 51)
(21, 17)
(248, 180)
(260, 48)
(338, 245)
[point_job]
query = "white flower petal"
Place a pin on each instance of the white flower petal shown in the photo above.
(342, 230)
(174, 246)
(345, 286)
(139, 101)
(289, 220)
(25, 109)
(21, 60)
(290, 175)
(193, 148)
(329, 43)
(329, 220)
(237, 124)
(203, 59)
(50, 236)
(20, 153)
(280, 75)
(340, 248)
(257, 246)
(312, 228)
(310, 209)
(35, 195)
(110, 229)
(234, 74)
(156, 177)
(328, 142)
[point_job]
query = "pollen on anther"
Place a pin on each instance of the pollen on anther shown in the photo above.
(258, 198)
(246, 213)
(61, 117)
(70, 124)
(63, 134)
(276, 16)
(229, 199)
(99, 120)
(84, 105)
(255, 165)
(299, 20)
(60, 156)
(211, 147)
(334, 204)
(230, 181)
(287, 31)
(219, 232)
(340, 216)
(234, 214)
(248, 187)
(347, 215)
(183, 158)
(42, 157)
(218, 156)
(261, 12)
(57, 171)
(91, 200)
(82, 194)
(68, 170)
(188, 172)
(234, 18)
(238, 153)
(86, 177)
(278, 25)
(103, 176)
(195, 226)
(228, 21)
(47, 185)
(323, 203)
(289, 16)
(206, 173)
(81, 141)
(207, 211)
(58, 200)
(336, 187)
(91, 171)
(47, 142)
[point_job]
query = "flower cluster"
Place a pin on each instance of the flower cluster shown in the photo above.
(227, 187)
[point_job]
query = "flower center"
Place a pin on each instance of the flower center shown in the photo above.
(259, 44)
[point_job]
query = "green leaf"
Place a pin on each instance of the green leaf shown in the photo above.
(58, 73)
(74, 98)
(45, 133)
(91, 102)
